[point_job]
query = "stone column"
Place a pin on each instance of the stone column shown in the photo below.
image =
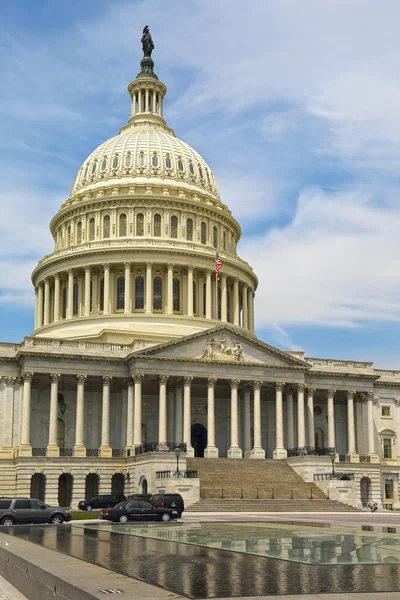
(247, 422)
(79, 448)
(257, 451)
(106, 282)
(245, 315)
(70, 294)
(211, 451)
(46, 301)
(290, 420)
(25, 448)
(301, 434)
(105, 448)
(331, 419)
(279, 451)
(170, 413)
(234, 450)
(36, 308)
(56, 308)
(224, 303)
(7, 448)
(162, 412)
(208, 296)
(147, 101)
(187, 381)
(149, 286)
(250, 309)
(190, 291)
(127, 295)
(374, 458)
(351, 434)
(310, 416)
(137, 420)
(178, 413)
(52, 447)
(170, 296)
(129, 418)
(236, 306)
(40, 306)
(87, 292)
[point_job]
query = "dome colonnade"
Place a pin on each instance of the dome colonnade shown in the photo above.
(136, 241)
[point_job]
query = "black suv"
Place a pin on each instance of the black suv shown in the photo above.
(104, 501)
(30, 510)
(174, 501)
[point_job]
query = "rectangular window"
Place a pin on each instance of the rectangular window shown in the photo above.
(387, 448)
(139, 295)
(386, 412)
(389, 489)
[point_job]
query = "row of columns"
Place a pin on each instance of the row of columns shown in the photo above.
(242, 295)
(141, 102)
(182, 428)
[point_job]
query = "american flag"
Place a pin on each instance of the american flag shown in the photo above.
(218, 264)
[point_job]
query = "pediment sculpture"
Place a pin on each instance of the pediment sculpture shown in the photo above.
(220, 350)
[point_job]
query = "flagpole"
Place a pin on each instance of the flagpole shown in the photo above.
(216, 298)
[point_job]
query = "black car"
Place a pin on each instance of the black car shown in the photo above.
(137, 511)
(103, 501)
(31, 510)
(174, 501)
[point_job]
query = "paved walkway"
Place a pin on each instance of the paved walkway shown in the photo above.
(8, 592)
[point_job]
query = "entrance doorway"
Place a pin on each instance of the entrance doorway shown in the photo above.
(38, 485)
(143, 485)
(319, 440)
(65, 482)
(117, 484)
(365, 490)
(91, 485)
(199, 439)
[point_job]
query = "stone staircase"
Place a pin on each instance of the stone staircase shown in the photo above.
(232, 485)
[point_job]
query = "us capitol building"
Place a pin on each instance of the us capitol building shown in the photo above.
(132, 355)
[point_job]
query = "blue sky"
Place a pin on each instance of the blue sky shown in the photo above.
(295, 106)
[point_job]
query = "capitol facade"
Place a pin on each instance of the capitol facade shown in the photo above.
(138, 348)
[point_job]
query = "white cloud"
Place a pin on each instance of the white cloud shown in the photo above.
(335, 264)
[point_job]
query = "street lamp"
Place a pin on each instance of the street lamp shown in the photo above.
(177, 454)
(332, 454)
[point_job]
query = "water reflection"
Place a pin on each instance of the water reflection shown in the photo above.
(152, 554)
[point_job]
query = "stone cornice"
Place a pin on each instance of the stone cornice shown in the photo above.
(342, 375)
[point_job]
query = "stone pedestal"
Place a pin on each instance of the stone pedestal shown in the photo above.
(354, 457)
(105, 451)
(211, 452)
(189, 451)
(279, 453)
(24, 450)
(373, 458)
(80, 451)
(235, 452)
(53, 450)
(257, 453)
(6, 452)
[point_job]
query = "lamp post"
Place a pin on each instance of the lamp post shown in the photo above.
(177, 454)
(332, 455)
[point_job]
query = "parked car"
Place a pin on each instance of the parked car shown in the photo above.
(174, 501)
(103, 501)
(137, 511)
(30, 510)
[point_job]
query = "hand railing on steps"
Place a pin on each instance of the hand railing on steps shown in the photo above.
(243, 494)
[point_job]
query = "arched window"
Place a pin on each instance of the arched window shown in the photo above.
(69, 229)
(75, 304)
(191, 168)
(204, 299)
(180, 165)
(168, 163)
(140, 224)
(91, 308)
(176, 295)
(229, 307)
(157, 293)
(101, 295)
(174, 227)
(215, 237)
(120, 293)
(224, 240)
(194, 298)
(139, 293)
(203, 233)
(86, 171)
(91, 229)
(128, 161)
(154, 160)
(103, 165)
(106, 226)
(141, 160)
(189, 230)
(64, 303)
(122, 225)
(79, 233)
(157, 226)
(115, 162)
(201, 173)
(94, 167)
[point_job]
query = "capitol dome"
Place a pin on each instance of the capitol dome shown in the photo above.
(136, 241)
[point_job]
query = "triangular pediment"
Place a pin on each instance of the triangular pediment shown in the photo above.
(223, 344)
